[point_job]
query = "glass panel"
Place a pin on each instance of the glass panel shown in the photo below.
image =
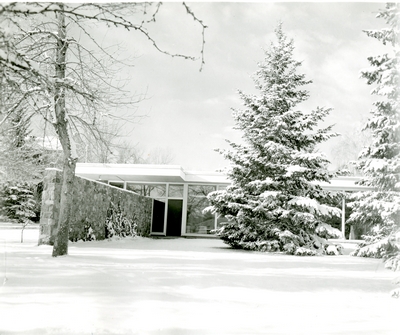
(201, 190)
(116, 184)
(175, 191)
(134, 188)
(149, 190)
(197, 221)
(222, 187)
(158, 191)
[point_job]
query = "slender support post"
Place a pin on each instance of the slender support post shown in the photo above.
(344, 215)
(5, 262)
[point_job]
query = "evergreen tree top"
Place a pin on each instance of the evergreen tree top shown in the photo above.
(277, 78)
(279, 140)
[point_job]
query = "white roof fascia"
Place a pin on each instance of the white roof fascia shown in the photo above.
(206, 177)
(176, 174)
(127, 172)
(345, 184)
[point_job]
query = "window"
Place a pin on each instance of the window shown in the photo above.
(175, 191)
(149, 190)
(119, 184)
(198, 222)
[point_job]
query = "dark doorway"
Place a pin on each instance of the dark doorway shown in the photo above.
(174, 217)
(157, 225)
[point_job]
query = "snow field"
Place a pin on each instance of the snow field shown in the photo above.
(188, 286)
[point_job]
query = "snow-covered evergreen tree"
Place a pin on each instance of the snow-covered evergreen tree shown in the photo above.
(274, 202)
(19, 154)
(379, 210)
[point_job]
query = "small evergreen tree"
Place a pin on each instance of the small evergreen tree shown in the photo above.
(20, 155)
(274, 202)
(20, 164)
(379, 210)
(18, 203)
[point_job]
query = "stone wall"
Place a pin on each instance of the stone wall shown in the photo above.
(91, 202)
(50, 205)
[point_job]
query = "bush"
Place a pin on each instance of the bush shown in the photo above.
(118, 224)
(378, 249)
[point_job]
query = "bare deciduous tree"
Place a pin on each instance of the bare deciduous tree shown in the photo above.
(345, 152)
(128, 153)
(69, 81)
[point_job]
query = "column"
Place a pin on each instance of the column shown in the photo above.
(344, 215)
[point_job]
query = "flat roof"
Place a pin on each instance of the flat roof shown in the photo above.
(345, 184)
(147, 173)
(176, 174)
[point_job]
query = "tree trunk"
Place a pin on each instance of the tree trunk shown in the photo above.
(62, 236)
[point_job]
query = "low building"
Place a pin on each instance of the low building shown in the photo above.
(179, 196)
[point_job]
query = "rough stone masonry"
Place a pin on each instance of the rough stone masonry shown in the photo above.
(91, 203)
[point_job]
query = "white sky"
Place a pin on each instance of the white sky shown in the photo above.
(189, 112)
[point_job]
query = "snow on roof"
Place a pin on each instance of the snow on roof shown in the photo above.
(176, 174)
(344, 184)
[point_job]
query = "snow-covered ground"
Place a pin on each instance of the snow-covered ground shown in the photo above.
(188, 286)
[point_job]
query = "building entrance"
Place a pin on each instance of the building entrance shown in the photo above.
(158, 216)
(174, 217)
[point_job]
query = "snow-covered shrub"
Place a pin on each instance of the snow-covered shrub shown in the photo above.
(304, 252)
(118, 224)
(275, 202)
(82, 232)
(89, 233)
(378, 249)
(333, 249)
(326, 231)
(393, 263)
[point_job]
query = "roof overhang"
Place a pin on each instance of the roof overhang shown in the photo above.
(345, 184)
(152, 173)
(146, 173)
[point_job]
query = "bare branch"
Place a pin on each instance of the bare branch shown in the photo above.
(188, 10)
(105, 13)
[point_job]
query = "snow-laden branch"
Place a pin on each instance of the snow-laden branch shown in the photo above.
(314, 207)
(12, 61)
(14, 107)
